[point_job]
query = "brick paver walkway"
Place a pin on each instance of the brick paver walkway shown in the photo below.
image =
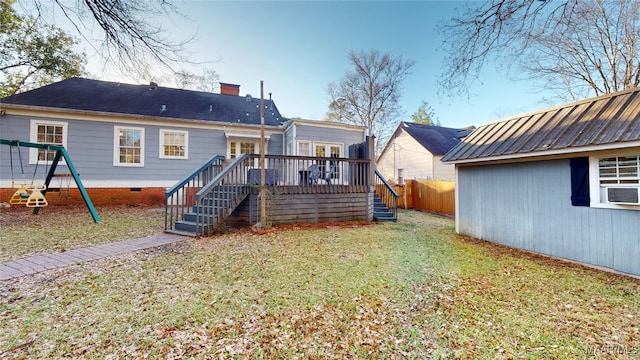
(35, 264)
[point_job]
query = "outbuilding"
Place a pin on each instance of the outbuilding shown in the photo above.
(563, 181)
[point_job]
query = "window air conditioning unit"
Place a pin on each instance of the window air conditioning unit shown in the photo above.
(623, 195)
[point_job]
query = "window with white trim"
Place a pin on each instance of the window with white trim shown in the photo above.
(615, 181)
(304, 148)
(237, 148)
(128, 146)
(46, 132)
(174, 144)
(619, 170)
(619, 180)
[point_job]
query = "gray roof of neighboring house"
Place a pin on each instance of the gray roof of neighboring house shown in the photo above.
(437, 139)
(607, 119)
(147, 100)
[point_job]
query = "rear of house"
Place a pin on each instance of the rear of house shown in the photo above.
(563, 181)
(132, 142)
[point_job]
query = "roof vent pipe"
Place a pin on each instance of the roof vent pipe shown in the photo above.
(210, 107)
(164, 108)
(153, 85)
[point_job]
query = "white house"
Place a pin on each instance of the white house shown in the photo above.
(414, 152)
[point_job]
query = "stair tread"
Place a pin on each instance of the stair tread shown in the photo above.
(182, 232)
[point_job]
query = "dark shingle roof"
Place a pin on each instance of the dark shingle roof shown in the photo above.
(147, 100)
(603, 120)
(437, 139)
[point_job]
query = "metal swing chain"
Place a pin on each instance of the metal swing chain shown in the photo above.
(13, 179)
(35, 171)
(24, 180)
(21, 195)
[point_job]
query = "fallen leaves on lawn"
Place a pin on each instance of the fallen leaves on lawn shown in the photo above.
(373, 330)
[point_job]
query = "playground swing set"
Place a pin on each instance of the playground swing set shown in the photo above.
(32, 195)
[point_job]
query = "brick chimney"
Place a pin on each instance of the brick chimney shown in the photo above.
(229, 89)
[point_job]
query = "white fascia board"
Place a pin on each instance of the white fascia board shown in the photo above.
(327, 124)
(559, 153)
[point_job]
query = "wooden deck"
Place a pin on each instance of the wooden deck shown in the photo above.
(311, 204)
(299, 189)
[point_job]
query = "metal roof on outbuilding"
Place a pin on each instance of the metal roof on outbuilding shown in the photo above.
(607, 119)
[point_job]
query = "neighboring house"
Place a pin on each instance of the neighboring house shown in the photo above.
(414, 152)
(130, 139)
(564, 181)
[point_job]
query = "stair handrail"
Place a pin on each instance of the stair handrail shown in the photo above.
(209, 163)
(240, 160)
(234, 174)
(387, 193)
(177, 198)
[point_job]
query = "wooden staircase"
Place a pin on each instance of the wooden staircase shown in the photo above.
(385, 199)
(198, 204)
(380, 211)
(205, 217)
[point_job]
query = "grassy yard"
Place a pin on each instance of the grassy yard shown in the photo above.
(411, 289)
(66, 228)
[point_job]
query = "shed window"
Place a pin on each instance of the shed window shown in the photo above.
(615, 181)
(619, 170)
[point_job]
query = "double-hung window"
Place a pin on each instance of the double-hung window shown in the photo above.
(174, 144)
(128, 146)
(619, 179)
(46, 132)
(614, 181)
(304, 148)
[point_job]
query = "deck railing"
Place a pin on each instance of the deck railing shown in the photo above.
(387, 193)
(308, 171)
(180, 198)
(226, 187)
(217, 199)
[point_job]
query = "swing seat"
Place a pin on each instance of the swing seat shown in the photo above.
(20, 197)
(36, 199)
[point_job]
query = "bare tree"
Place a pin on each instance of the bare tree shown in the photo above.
(339, 111)
(575, 47)
(131, 33)
(368, 94)
(208, 80)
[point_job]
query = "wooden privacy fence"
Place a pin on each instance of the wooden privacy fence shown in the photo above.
(430, 195)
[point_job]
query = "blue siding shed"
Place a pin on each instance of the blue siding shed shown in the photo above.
(517, 185)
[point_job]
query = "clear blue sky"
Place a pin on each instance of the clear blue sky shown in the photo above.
(298, 47)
